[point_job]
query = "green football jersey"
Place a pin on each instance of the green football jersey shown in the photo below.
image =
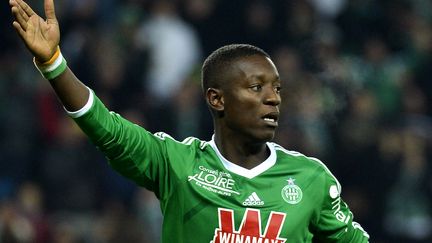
(205, 198)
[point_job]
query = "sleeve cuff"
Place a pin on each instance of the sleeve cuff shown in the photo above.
(84, 109)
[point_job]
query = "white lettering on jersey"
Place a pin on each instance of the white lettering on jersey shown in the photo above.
(215, 181)
(337, 211)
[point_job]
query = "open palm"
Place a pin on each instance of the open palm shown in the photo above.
(40, 36)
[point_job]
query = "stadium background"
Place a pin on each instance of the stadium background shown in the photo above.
(356, 89)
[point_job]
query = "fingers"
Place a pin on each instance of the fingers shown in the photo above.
(22, 12)
(18, 8)
(19, 29)
(20, 16)
(26, 8)
(49, 10)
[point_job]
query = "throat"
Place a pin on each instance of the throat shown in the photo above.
(249, 163)
(247, 157)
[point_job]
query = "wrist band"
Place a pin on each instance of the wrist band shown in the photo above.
(52, 68)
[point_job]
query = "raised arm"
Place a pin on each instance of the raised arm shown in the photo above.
(42, 38)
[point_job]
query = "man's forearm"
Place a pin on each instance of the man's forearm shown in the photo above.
(70, 90)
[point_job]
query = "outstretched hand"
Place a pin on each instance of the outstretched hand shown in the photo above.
(40, 36)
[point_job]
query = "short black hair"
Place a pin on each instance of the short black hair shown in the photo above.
(217, 63)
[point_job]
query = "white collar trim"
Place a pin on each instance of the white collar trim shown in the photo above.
(239, 170)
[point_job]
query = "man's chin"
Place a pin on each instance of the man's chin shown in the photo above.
(265, 137)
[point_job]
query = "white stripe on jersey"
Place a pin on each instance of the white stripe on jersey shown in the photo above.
(297, 154)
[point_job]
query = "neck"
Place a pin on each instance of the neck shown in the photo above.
(239, 151)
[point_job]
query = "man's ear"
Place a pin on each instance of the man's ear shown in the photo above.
(215, 99)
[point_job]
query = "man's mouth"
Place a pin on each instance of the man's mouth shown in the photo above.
(271, 119)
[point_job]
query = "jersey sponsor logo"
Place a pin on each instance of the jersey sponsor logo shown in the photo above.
(334, 193)
(292, 193)
(216, 181)
(250, 228)
(253, 200)
(339, 214)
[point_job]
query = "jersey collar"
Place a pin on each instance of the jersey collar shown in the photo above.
(239, 170)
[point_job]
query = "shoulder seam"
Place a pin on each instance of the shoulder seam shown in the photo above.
(319, 162)
(186, 141)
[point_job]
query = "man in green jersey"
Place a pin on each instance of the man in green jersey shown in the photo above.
(238, 187)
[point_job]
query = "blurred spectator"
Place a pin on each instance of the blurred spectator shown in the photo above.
(202, 15)
(329, 9)
(30, 202)
(116, 224)
(69, 171)
(259, 23)
(299, 23)
(188, 106)
(409, 210)
(149, 215)
(23, 219)
(382, 76)
(174, 50)
(15, 227)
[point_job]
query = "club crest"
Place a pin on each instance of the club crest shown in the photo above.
(292, 193)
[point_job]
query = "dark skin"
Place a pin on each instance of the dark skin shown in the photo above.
(247, 106)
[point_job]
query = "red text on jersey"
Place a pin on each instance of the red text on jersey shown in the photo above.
(250, 228)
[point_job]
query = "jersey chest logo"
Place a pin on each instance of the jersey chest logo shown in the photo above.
(250, 228)
(215, 181)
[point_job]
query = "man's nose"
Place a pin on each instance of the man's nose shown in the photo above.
(272, 97)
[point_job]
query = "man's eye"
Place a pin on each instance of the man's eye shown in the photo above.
(256, 88)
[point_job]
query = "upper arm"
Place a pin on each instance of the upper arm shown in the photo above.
(131, 150)
(119, 139)
(335, 222)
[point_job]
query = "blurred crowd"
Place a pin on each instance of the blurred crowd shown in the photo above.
(356, 94)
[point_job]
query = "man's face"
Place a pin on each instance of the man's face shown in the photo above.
(252, 99)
